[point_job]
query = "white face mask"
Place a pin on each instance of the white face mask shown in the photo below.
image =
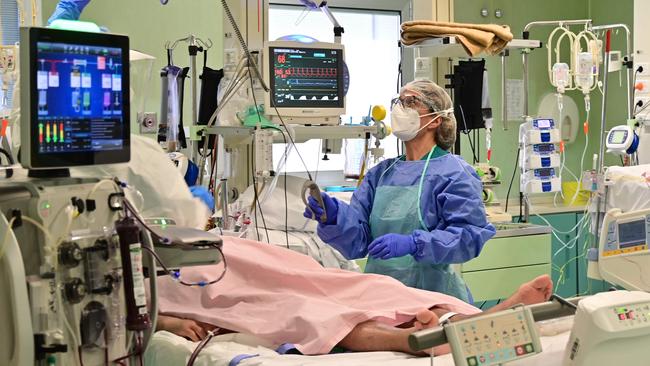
(405, 122)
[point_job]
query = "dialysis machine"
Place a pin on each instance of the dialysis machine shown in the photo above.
(72, 285)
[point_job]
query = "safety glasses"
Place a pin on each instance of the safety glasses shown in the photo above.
(410, 101)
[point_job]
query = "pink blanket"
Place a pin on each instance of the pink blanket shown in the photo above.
(285, 297)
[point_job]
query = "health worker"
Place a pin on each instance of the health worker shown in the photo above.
(415, 215)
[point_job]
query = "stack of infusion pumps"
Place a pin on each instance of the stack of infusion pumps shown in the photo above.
(540, 161)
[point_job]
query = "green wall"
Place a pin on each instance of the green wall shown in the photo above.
(149, 24)
(517, 13)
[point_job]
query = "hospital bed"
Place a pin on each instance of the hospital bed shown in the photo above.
(167, 349)
(553, 327)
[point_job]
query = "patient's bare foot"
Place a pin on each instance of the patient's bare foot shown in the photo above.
(425, 319)
(533, 292)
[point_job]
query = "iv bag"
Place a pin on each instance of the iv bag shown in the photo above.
(586, 70)
(561, 76)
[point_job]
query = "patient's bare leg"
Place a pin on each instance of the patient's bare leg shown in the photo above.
(374, 336)
(533, 292)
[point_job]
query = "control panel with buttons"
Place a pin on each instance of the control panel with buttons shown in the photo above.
(631, 316)
(493, 339)
(610, 328)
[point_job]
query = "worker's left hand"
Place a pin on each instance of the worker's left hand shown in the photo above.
(391, 246)
(204, 195)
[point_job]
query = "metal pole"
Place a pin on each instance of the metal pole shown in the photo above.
(525, 61)
(557, 23)
(194, 146)
(504, 97)
(224, 204)
(601, 158)
(630, 57)
(603, 116)
(429, 338)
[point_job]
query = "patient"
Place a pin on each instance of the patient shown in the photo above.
(285, 297)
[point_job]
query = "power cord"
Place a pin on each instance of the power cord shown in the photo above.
(286, 200)
(466, 132)
(256, 195)
(173, 274)
(512, 179)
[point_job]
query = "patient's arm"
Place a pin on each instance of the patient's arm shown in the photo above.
(191, 329)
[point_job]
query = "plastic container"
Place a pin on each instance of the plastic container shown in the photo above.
(569, 190)
(354, 156)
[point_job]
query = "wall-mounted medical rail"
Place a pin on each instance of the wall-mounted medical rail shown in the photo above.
(449, 47)
(300, 133)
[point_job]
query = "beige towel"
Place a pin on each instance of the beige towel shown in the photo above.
(475, 38)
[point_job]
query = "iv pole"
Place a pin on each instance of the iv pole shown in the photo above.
(195, 45)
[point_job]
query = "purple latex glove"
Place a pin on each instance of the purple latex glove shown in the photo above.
(391, 246)
(331, 208)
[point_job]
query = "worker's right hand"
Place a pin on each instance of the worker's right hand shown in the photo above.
(331, 208)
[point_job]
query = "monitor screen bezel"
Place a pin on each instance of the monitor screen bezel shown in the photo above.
(30, 156)
(305, 112)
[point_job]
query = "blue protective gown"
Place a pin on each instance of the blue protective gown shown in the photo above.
(451, 208)
(68, 10)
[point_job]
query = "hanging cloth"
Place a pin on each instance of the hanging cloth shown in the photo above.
(210, 80)
(468, 94)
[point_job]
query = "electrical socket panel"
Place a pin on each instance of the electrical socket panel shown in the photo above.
(646, 69)
(8, 58)
(148, 122)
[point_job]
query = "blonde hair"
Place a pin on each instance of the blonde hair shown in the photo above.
(437, 99)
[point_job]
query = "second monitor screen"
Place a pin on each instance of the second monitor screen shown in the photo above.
(306, 78)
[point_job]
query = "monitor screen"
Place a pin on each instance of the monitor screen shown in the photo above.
(302, 77)
(79, 98)
(631, 234)
(618, 137)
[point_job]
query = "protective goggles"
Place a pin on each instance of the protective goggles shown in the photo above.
(411, 101)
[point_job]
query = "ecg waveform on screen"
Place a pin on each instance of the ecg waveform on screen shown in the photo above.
(308, 72)
(306, 77)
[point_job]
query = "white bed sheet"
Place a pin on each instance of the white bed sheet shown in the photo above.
(167, 349)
